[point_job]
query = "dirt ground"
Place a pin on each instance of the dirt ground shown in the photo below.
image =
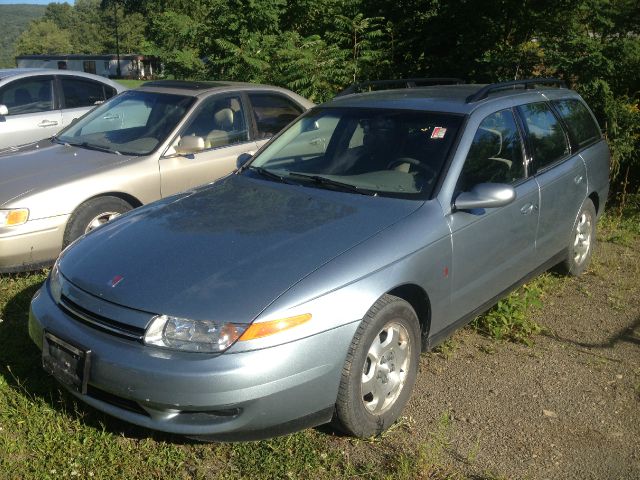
(565, 408)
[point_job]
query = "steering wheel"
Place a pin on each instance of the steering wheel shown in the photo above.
(429, 171)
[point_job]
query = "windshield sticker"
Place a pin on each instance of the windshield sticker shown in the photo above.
(438, 132)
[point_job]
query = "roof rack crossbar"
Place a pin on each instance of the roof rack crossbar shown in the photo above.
(526, 84)
(399, 83)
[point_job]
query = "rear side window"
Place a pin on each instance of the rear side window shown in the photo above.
(272, 112)
(82, 93)
(28, 95)
(547, 140)
(581, 125)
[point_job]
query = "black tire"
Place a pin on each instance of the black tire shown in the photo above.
(359, 412)
(582, 241)
(95, 211)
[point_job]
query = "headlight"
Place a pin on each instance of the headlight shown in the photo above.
(14, 216)
(192, 335)
(55, 288)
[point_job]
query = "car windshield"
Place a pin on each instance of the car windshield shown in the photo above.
(397, 153)
(133, 123)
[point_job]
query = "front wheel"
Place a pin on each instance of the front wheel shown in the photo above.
(92, 214)
(583, 237)
(380, 369)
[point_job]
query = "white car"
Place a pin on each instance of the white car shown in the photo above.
(36, 103)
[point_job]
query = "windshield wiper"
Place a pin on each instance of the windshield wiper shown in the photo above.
(320, 180)
(268, 174)
(57, 140)
(90, 146)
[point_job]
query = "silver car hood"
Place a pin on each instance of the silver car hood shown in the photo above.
(52, 166)
(225, 251)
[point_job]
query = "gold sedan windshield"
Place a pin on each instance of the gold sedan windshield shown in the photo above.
(133, 123)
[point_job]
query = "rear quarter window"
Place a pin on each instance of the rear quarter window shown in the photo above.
(581, 125)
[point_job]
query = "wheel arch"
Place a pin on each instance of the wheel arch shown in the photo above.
(595, 198)
(130, 199)
(418, 298)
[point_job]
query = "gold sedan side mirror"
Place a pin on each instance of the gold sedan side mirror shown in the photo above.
(190, 144)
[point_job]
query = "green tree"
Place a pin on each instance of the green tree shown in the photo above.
(89, 28)
(366, 41)
(43, 37)
(61, 14)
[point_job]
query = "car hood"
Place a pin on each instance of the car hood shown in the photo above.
(51, 166)
(225, 251)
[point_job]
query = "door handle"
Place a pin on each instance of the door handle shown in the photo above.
(527, 209)
(47, 123)
(577, 179)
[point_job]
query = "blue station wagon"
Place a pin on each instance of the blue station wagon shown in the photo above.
(301, 288)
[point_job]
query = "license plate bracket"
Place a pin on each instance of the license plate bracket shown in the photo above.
(69, 364)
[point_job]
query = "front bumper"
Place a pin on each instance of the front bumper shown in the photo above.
(232, 396)
(32, 245)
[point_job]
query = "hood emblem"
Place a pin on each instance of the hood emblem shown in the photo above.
(116, 280)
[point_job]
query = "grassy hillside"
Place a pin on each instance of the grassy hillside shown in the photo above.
(14, 19)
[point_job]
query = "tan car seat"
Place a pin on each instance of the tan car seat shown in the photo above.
(219, 136)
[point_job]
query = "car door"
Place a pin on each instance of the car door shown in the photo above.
(221, 122)
(562, 177)
(493, 248)
(79, 95)
(32, 111)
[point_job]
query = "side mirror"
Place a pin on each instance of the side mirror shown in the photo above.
(4, 110)
(243, 158)
(485, 195)
(190, 144)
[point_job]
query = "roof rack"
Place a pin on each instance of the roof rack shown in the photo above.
(398, 83)
(526, 84)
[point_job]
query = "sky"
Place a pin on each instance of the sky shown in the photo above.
(34, 2)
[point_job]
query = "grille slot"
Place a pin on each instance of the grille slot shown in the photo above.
(100, 322)
(115, 400)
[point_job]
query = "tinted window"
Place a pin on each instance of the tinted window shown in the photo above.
(495, 155)
(546, 137)
(109, 92)
(220, 121)
(389, 152)
(582, 127)
(81, 93)
(272, 112)
(28, 95)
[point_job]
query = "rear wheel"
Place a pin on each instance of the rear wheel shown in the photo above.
(583, 237)
(380, 369)
(92, 214)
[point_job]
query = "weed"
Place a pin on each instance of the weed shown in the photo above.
(446, 348)
(509, 319)
(474, 451)
(616, 301)
(622, 225)
(488, 475)
(488, 349)
(427, 461)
